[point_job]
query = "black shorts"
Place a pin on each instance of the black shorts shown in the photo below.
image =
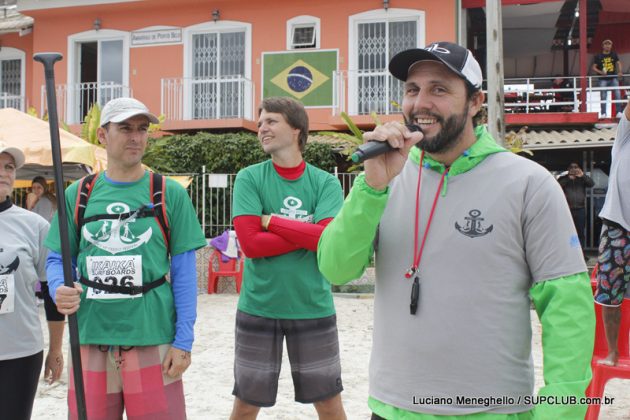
(313, 349)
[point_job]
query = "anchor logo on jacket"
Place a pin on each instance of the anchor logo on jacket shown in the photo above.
(473, 227)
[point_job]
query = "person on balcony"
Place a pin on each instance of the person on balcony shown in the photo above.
(607, 65)
(562, 96)
(613, 274)
(280, 208)
(465, 233)
(574, 185)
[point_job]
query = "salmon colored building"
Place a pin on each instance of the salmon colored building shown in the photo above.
(207, 64)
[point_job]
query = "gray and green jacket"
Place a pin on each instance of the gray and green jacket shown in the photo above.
(501, 234)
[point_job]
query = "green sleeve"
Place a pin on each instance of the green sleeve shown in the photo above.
(346, 244)
(53, 240)
(246, 199)
(566, 312)
(329, 201)
(186, 233)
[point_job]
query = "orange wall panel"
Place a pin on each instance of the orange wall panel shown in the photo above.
(148, 65)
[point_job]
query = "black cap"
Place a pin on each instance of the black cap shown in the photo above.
(457, 58)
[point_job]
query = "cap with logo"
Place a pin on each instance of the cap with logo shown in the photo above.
(457, 58)
(17, 154)
(121, 109)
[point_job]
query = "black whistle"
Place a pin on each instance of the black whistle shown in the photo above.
(375, 148)
(415, 296)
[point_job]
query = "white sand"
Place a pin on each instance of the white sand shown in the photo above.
(208, 382)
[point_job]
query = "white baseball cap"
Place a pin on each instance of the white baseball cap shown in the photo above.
(17, 154)
(121, 109)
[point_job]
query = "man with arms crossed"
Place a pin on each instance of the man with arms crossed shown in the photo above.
(280, 207)
(465, 233)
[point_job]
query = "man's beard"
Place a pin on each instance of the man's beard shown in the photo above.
(448, 136)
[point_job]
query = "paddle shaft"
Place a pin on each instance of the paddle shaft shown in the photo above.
(49, 60)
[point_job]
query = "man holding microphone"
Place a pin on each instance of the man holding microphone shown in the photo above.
(465, 233)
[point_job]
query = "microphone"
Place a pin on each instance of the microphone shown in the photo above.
(374, 148)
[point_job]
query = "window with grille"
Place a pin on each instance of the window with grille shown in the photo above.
(11, 83)
(218, 70)
(377, 43)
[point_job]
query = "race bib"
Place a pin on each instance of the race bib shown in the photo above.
(124, 270)
(7, 293)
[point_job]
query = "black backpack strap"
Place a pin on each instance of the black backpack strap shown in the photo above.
(158, 198)
(126, 290)
(85, 189)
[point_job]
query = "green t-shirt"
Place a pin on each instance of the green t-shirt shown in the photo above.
(287, 286)
(116, 249)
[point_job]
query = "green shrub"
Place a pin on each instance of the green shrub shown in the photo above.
(221, 153)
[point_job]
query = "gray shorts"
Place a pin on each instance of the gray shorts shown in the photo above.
(313, 349)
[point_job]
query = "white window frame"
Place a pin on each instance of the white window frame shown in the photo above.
(210, 27)
(377, 15)
(74, 54)
(301, 22)
(9, 53)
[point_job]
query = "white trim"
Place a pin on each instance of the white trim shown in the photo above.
(73, 57)
(55, 4)
(301, 21)
(210, 27)
(377, 15)
(9, 53)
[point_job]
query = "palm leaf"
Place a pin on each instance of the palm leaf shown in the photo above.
(352, 126)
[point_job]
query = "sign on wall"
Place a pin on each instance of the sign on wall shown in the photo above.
(303, 75)
(156, 36)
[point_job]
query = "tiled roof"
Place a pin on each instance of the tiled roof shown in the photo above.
(602, 136)
(561, 139)
(13, 21)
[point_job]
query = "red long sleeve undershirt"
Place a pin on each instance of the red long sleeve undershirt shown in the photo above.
(282, 235)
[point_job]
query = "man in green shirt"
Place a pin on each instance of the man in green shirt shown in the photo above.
(280, 207)
(465, 234)
(135, 328)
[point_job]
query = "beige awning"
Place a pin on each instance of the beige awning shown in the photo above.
(32, 135)
(12, 21)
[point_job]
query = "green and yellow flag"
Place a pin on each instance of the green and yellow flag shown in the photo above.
(306, 76)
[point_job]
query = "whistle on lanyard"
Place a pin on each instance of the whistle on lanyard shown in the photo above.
(415, 296)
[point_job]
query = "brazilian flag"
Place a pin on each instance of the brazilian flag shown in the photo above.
(306, 76)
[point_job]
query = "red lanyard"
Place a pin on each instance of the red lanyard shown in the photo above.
(418, 253)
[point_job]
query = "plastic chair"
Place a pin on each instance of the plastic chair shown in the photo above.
(603, 373)
(232, 268)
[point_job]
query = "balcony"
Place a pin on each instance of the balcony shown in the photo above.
(8, 100)
(368, 91)
(74, 101)
(206, 100)
(361, 93)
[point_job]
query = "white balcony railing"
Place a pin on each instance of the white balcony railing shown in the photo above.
(74, 101)
(367, 92)
(207, 98)
(8, 100)
(360, 93)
